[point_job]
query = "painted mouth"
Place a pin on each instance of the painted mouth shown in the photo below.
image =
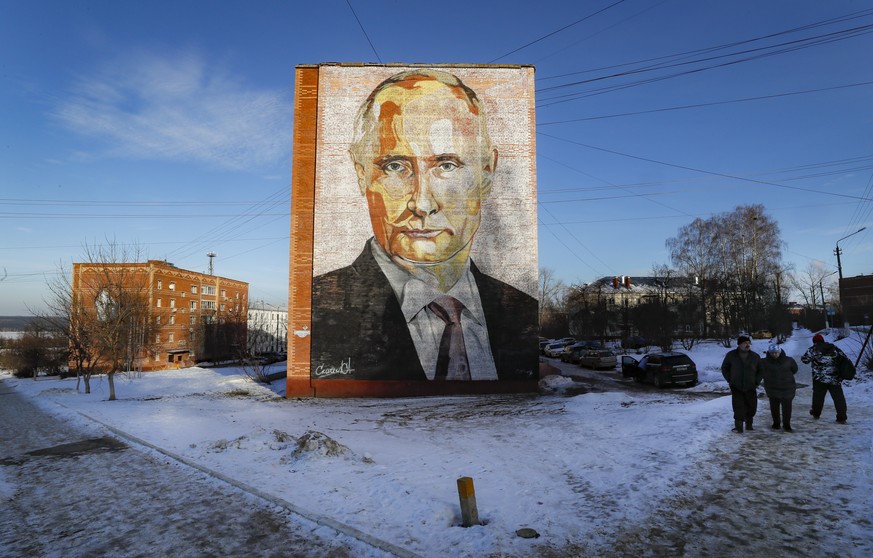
(422, 234)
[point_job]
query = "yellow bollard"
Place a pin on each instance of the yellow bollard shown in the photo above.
(467, 495)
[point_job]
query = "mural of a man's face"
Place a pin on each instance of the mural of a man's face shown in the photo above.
(425, 170)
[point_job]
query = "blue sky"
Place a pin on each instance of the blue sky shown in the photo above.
(169, 124)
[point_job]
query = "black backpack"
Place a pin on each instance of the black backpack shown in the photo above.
(845, 368)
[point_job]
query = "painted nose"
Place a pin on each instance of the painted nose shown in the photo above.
(422, 201)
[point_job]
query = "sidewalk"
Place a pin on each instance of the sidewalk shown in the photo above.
(72, 491)
(771, 493)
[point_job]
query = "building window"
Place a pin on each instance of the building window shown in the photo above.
(157, 338)
(193, 289)
(159, 303)
(157, 319)
(192, 319)
(237, 296)
(193, 305)
(172, 285)
(171, 337)
(172, 320)
(208, 304)
(222, 307)
(207, 290)
(223, 293)
(172, 303)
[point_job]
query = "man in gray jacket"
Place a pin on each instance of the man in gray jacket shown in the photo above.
(741, 369)
(825, 378)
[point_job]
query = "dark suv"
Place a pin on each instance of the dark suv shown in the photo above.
(661, 369)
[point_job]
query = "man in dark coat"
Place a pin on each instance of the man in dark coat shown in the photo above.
(741, 369)
(779, 370)
(825, 378)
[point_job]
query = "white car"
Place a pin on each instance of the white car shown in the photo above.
(554, 350)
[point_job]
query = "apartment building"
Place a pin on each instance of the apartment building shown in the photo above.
(183, 306)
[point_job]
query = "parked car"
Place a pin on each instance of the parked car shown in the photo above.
(597, 358)
(570, 353)
(634, 342)
(762, 334)
(554, 350)
(661, 369)
(544, 344)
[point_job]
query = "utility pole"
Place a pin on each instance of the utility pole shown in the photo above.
(837, 251)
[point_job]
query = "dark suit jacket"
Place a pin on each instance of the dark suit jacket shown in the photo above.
(357, 324)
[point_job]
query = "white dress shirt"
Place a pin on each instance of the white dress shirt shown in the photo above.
(426, 328)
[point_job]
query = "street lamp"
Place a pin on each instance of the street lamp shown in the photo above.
(838, 251)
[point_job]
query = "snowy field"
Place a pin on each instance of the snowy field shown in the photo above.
(641, 472)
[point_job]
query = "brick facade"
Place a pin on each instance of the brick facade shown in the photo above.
(179, 303)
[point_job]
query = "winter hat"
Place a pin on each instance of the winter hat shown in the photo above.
(817, 338)
(773, 348)
(742, 339)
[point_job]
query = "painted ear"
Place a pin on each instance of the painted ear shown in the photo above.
(362, 177)
(488, 172)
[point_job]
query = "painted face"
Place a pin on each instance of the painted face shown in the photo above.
(424, 173)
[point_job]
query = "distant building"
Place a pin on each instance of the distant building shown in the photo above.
(186, 310)
(613, 297)
(267, 329)
(856, 299)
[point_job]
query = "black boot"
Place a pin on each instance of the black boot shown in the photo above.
(738, 427)
(788, 428)
(749, 425)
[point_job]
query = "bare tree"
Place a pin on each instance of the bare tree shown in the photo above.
(550, 292)
(66, 315)
(588, 310)
(691, 251)
(735, 257)
(110, 302)
(812, 284)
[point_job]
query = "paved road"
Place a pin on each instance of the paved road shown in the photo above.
(55, 500)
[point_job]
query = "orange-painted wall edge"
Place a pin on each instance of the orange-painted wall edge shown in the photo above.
(302, 219)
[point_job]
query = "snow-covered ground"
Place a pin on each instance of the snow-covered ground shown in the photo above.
(642, 472)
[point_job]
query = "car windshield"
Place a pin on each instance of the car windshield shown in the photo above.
(681, 359)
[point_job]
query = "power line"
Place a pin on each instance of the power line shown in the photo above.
(129, 216)
(364, 31)
(546, 36)
(105, 203)
(704, 171)
(752, 54)
(687, 54)
(708, 104)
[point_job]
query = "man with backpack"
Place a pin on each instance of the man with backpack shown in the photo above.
(825, 359)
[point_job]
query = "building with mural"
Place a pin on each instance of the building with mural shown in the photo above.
(413, 231)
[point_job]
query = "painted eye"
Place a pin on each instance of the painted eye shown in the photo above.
(394, 166)
(448, 166)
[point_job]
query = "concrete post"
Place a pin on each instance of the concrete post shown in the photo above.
(467, 495)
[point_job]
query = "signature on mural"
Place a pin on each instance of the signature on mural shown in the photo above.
(344, 369)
